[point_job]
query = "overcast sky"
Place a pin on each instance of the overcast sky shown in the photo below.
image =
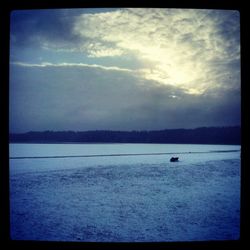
(124, 69)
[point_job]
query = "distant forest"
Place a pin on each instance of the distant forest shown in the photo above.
(204, 135)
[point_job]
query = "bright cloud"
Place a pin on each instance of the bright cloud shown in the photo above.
(176, 46)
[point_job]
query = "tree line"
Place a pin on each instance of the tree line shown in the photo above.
(203, 135)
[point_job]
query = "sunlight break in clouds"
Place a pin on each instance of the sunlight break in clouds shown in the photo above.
(176, 47)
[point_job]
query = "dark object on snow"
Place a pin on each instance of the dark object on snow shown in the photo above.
(173, 159)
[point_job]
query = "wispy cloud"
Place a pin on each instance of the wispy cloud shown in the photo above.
(48, 64)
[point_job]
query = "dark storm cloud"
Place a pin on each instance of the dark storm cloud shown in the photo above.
(84, 98)
(34, 28)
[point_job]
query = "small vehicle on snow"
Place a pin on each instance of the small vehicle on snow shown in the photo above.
(174, 159)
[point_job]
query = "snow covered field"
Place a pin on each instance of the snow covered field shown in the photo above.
(103, 194)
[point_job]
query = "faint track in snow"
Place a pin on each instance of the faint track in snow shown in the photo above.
(111, 155)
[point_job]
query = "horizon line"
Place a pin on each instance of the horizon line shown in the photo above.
(133, 130)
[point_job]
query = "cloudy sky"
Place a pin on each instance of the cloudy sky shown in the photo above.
(124, 69)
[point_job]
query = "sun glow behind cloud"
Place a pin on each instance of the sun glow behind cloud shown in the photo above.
(176, 47)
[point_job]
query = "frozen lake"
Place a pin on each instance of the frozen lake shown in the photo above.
(124, 192)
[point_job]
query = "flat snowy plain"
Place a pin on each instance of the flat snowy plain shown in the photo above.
(103, 193)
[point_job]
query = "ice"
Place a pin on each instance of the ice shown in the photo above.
(125, 198)
(20, 149)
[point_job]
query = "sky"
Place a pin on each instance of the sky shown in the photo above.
(124, 69)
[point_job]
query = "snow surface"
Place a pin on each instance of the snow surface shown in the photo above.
(142, 198)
